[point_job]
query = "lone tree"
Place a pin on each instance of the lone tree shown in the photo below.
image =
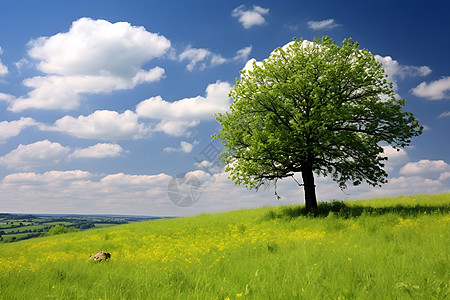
(313, 108)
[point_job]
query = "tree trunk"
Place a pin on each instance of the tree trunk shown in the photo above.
(309, 187)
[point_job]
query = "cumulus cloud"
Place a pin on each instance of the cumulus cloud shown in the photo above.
(3, 68)
(47, 153)
(435, 90)
(6, 97)
(396, 71)
(200, 57)
(250, 17)
(38, 154)
(103, 125)
(204, 164)
(325, 24)
(13, 128)
(444, 176)
(94, 56)
(90, 45)
(243, 54)
(175, 128)
(425, 167)
(395, 157)
(445, 114)
(121, 179)
(49, 178)
(177, 116)
(100, 150)
(184, 147)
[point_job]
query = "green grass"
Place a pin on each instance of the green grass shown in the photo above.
(101, 225)
(390, 248)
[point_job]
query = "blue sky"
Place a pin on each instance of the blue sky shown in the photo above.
(104, 103)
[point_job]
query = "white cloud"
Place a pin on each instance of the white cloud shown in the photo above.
(397, 186)
(203, 58)
(425, 167)
(50, 177)
(23, 63)
(42, 153)
(435, 90)
(122, 179)
(396, 71)
(194, 56)
(243, 54)
(445, 114)
(200, 57)
(249, 18)
(204, 164)
(3, 68)
(395, 157)
(100, 150)
(325, 24)
(45, 153)
(103, 125)
(444, 176)
(6, 97)
(13, 128)
(177, 116)
(98, 47)
(184, 147)
(175, 128)
(249, 65)
(95, 56)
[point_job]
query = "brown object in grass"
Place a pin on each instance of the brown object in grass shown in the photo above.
(102, 255)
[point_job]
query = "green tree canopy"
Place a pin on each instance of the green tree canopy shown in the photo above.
(60, 229)
(313, 107)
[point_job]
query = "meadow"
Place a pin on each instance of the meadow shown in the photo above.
(390, 248)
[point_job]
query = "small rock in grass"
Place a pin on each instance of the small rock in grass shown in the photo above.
(102, 255)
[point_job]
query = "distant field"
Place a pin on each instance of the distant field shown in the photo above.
(390, 248)
(19, 227)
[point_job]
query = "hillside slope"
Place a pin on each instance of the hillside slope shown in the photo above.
(378, 249)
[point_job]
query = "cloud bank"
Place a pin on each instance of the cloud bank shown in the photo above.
(83, 192)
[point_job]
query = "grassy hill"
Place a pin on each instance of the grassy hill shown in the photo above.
(390, 248)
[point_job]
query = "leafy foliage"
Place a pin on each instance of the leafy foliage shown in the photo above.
(60, 229)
